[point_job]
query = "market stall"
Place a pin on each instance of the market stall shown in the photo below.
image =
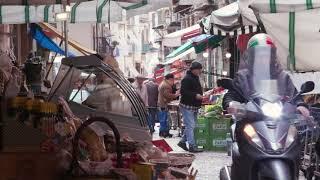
(64, 136)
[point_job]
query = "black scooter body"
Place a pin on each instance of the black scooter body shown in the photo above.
(252, 163)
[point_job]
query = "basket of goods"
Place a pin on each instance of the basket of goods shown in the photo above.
(103, 167)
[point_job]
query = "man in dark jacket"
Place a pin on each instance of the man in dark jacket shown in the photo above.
(261, 73)
(190, 103)
(152, 90)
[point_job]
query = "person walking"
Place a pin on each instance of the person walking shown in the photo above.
(141, 88)
(166, 95)
(152, 91)
(190, 103)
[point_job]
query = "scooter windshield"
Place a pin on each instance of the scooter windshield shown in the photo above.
(262, 71)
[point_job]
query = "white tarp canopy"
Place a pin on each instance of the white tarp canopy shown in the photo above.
(151, 5)
(174, 39)
(299, 78)
(190, 2)
(294, 25)
(284, 6)
(225, 22)
(96, 11)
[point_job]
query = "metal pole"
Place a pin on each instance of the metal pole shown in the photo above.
(66, 37)
(209, 68)
(66, 40)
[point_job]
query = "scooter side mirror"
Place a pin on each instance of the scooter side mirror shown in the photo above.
(307, 87)
(226, 83)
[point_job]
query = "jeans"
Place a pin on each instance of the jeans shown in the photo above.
(163, 119)
(152, 116)
(189, 120)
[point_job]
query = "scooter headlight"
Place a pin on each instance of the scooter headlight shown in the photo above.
(292, 133)
(253, 136)
(272, 109)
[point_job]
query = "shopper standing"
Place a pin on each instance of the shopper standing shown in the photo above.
(141, 88)
(190, 103)
(166, 95)
(152, 90)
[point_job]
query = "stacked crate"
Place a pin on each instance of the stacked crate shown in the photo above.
(211, 133)
(218, 133)
(202, 133)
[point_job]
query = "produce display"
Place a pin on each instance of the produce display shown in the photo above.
(212, 127)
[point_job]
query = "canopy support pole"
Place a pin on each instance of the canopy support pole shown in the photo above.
(209, 68)
(261, 25)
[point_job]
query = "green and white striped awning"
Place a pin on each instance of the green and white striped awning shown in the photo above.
(194, 45)
(96, 11)
(294, 26)
(281, 6)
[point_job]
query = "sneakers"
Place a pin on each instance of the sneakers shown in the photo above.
(183, 146)
(194, 149)
(165, 134)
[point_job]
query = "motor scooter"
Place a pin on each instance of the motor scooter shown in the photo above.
(265, 133)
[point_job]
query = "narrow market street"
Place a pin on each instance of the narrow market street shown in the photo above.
(208, 164)
(104, 89)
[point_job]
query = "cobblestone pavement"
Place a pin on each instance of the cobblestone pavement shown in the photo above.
(208, 164)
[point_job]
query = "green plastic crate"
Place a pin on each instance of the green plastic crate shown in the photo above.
(218, 144)
(203, 143)
(202, 128)
(202, 122)
(219, 126)
(202, 132)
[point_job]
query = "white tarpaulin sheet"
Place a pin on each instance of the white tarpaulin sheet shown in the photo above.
(296, 33)
(85, 12)
(299, 78)
(152, 5)
(225, 21)
(92, 11)
(191, 2)
(302, 37)
(174, 39)
(279, 6)
(226, 16)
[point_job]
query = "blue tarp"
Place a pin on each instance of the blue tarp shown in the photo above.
(44, 41)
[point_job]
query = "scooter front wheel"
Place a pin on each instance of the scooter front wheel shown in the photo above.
(225, 173)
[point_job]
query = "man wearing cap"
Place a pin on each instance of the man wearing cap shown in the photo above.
(166, 95)
(190, 103)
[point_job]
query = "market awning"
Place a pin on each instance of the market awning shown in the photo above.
(281, 6)
(146, 6)
(190, 2)
(295, 30)
(35, 2)
(96, 11)
(197, 44)
(175, 39)
(225, 22)
(299, 78)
